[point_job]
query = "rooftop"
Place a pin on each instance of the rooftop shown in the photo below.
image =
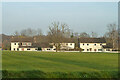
(92, 40)
(22, 39)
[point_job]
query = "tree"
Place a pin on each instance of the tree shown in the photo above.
(57, 33)
(23, 32)
(76, 34)
(28, 32)
(16, 33)
(112, 35)
(94, 35)
(84, 34)
(39, 32)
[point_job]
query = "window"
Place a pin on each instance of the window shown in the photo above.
(36, 49)
(48, 49)
(28, 48)
(100, 44)
(99, 49)
(87, 44)
(82, 49)
(17, 49)
(14, 49)
(14, 43)
(83, 44)
(67, 44)
(71, 44)
(107, 49)
(87, 49)
(24, 43)
(95, 44)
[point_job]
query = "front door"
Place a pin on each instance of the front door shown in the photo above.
(90, 49)
(94, 49)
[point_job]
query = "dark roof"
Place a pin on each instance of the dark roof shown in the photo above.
(92, 40)
(22, 39)
(108, 46)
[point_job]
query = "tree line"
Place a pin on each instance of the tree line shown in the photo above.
(59, 32)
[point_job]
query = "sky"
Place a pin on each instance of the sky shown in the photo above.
(79, 16)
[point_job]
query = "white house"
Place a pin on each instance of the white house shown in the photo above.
(63, 46)
(22, 44)
(93, 45)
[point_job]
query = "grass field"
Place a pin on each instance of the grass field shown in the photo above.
(59, 65)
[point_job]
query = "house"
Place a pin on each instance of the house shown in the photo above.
(94, 45)
(107, 48)
(65, 45)
(23, 44)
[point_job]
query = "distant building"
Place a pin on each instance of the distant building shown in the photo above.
(94, 45)
(23, 44)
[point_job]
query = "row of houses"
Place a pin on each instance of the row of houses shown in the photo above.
(84, 44)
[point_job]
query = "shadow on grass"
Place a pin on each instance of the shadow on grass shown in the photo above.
(40, 74)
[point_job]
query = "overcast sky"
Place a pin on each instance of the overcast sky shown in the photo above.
(80, 16)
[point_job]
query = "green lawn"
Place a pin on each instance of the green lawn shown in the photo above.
(59, 65)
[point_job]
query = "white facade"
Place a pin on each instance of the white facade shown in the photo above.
(27, 49)
(15, 46)
(92, 47)
(48, 49)
(66, 46)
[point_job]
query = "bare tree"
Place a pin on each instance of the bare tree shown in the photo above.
(57, 34)
(84, 34)
(112, 35)
(94, 35)
(39, 32)
(16, 33)
(28, 32)
(76, 34)
(23, 32)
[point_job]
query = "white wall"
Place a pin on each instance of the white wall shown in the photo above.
(13, 46)
(25, 49)
(92, 46)
(48, 49)
(67, 45)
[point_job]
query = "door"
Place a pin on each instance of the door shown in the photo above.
(94, 49)
(90, 49)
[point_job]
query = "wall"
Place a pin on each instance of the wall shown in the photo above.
(14, 46)
(48, 49)
(67, 45)
(25, 49)
(92, 46)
